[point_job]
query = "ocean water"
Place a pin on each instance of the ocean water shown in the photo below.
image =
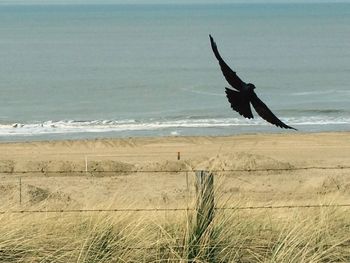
(85, 71)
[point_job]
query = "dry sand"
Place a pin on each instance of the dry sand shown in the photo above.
(256, 169)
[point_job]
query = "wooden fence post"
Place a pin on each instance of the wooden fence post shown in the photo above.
(205, 198)
(200, 240)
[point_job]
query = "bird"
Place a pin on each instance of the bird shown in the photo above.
(243, 94)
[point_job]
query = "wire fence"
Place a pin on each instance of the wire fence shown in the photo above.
(59, 173)
(174, 209)
(173, 247)
(247, 170)
(180, 247)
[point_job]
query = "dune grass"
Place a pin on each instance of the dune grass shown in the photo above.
(310, 235)
(233, 235)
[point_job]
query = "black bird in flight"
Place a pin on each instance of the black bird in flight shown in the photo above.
(244, 94)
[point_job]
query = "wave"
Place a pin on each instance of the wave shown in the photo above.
(318, 120)
(193, 90)
(102, 126)
(320, 92)
(318, 111)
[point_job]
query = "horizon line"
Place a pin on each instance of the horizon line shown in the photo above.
(24, 3)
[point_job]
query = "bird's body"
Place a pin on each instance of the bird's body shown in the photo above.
(243, 94)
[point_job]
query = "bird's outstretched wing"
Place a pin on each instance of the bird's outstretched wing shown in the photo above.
(239, 103)
(229, 74)
(265, 113)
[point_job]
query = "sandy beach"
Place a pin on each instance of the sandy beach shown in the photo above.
(145, 172)
(58, 183)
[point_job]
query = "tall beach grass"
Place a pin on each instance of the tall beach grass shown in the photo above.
(310, 235)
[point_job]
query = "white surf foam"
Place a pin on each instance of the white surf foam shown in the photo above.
(101, 126)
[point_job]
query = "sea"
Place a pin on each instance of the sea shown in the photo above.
(109, 71)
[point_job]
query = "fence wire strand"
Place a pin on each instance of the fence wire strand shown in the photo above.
(172, 209)
(305, 206)
(177, 247)
(44, 171)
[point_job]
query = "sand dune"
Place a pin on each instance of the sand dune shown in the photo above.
(139, 172)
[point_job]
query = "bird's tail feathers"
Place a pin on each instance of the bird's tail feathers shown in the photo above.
(239, 103)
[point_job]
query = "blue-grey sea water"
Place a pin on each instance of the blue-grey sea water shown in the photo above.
(82, 71)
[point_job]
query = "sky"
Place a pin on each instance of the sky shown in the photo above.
(29, 2)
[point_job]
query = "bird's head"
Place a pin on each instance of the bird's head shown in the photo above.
(251, 86)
